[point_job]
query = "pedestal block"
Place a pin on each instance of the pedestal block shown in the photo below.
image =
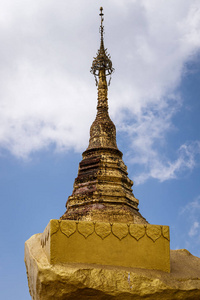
(117, 244)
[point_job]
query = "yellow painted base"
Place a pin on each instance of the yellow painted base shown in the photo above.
(117, 244)
(75, 281)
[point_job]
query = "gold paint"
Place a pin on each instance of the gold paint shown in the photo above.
(114, 244)
(68, 228)
(103, 229)
(120, 230)
(153, 232)
(102, 190)
(85, 228)
(165, 233)
(86, 281)
(137, 232)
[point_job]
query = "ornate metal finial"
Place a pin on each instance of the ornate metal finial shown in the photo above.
(103, 60)
(102, 19)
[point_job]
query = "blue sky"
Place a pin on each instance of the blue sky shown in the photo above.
(48, 102)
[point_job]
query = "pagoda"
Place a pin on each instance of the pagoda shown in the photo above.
(102, 213)
(97, 247)
(102, 190)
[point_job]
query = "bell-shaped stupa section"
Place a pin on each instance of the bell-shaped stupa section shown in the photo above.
(102, 190)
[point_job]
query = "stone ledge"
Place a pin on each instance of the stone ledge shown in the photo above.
(120, 244)
(84, 281)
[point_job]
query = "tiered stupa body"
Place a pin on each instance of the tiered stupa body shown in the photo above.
(102, 190)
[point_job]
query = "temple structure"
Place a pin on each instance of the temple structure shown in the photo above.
(102, 211)
(102, 247)
(102, 190)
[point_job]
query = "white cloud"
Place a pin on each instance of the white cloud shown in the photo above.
(192, 208)
(48, 97)
(161, 168)
(194, 229)
(190, 214)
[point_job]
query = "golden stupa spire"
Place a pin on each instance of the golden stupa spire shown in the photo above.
(102, 131)
(102, 190)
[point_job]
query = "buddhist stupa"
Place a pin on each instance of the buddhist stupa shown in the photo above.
(102, 190)
(102, 247)
(102, 213)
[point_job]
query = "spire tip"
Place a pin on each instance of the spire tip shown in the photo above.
(101, 11)
(102, 61)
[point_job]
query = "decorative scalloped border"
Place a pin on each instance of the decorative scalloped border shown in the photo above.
(103, 230)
